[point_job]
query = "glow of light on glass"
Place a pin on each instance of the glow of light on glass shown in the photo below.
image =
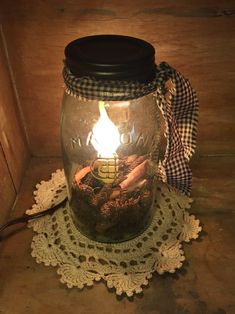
(105, 135)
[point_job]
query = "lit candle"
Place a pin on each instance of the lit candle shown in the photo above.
(106, 139)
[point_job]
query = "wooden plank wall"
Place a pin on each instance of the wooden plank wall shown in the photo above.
(7, 190)
(196, 37)
(14, 153)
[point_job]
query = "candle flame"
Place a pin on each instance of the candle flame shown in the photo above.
(105, 135)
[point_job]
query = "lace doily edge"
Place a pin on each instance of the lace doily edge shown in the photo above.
(66, 270)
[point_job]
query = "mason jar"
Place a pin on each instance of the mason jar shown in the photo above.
(110, 135)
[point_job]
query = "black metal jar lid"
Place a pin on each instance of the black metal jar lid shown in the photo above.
(111, 57)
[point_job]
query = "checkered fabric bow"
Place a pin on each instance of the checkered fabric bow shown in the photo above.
(179, 106)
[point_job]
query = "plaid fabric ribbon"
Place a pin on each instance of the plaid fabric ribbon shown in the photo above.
(89, 88)
(179, 106)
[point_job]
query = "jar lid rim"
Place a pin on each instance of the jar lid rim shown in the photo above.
(111, 57)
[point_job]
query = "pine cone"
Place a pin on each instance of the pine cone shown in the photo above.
(114, 210)
(86, 193)
(103, 195)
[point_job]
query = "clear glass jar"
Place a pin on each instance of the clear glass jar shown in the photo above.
(110, 154)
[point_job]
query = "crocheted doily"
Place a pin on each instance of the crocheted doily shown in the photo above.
(126, 266)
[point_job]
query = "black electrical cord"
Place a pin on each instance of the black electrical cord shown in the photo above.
(25, 218)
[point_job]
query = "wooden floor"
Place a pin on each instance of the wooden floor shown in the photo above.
(205, 284)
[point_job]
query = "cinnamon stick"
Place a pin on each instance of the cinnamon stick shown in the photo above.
(81, 174)
(135, 174)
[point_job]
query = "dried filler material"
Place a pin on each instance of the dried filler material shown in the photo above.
(118, 211)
